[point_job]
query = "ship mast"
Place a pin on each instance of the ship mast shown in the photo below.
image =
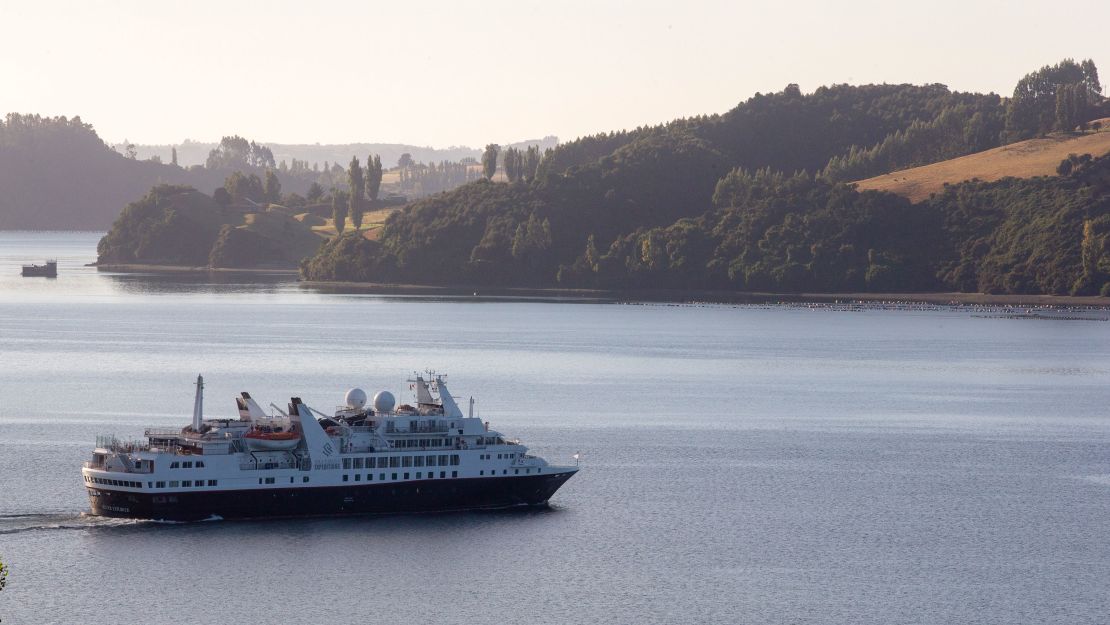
(198, 405)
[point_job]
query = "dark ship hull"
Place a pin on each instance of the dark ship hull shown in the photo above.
(49, 270)
(370, 498)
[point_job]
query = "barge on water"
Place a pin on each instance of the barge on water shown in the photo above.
(49, 270)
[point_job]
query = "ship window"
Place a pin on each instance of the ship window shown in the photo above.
(406, 461)
(504, 471)
(394, 462)
(269, 480)
(406, 476)
(481, 473)
(212, 482)
(443, 474)
(358, 463)
(346, 463)
(304, 479)
(419, 475)
(200, 464)
(150, 484)
(418, 461)
(516, 471)
(174, 483)
(186, 465)
(454, 474)
(443, 460)
(371, 462)
(290, 479)
(259, 480)
(159, 484)
(187, 483)
(431, 461)
(381, 476)
(199, 484)
(454, 459)
(394, 476)
(174, 465)
(358, 477)
(498, 456)
(344, 477)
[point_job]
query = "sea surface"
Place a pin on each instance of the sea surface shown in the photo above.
(739, 464)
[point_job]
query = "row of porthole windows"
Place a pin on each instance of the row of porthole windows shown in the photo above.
(499, 456)
(185, 484)
(393, 462)
(506, 472)
(381, 476)
(188, 464)
(130, 484)
(271, 480)
(106, 482)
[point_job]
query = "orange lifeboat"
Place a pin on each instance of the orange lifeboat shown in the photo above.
(263, 440)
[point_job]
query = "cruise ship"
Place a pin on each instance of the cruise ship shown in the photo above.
(378, 458)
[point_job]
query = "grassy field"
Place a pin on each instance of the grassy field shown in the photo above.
(1025, 159)
(325, 227)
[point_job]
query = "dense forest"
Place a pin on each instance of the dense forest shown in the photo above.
(759, 199)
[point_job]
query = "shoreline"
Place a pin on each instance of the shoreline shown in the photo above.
(723, 297)
(144, 268)
(632, 295)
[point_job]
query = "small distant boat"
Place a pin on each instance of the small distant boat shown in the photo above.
(49, 270)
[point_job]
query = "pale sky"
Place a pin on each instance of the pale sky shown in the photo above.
(447, 73)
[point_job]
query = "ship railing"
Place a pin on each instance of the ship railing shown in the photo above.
(161, 432)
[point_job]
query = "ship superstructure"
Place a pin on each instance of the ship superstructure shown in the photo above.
(380, 458)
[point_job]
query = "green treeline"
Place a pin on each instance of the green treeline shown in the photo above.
(756, 199)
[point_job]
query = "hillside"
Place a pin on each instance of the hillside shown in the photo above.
(758, 199)
(1024, 159)
(180, 226)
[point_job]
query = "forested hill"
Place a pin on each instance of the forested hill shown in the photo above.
(57, 174)
(757, 199)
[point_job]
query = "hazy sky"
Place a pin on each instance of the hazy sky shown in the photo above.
(456, 72)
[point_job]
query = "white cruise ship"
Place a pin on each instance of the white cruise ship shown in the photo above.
(383, 458)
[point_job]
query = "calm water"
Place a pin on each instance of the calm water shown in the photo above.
(740, 464)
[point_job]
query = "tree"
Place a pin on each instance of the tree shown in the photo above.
(245, 188)
(173, 157)
(405, 161)
(512, 170)
(129, 150)
(489, 160)
(531, 162)
(373, 177)
(3, 575)
(338, 210)
(357, 184)
(315, 192)
(272, 187)
(222, 197)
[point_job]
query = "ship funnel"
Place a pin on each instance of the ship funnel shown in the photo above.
(198, 405)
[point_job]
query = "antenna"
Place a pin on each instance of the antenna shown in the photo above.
(471, 415)
(198, 404)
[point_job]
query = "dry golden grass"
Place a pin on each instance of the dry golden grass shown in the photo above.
(371, 222)
(1025, 159)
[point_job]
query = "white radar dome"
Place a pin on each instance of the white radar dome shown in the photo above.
(355, 398)
(384, 401)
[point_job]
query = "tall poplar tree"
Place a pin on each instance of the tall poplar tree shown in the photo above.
(373, 177)
(338, 211)
(357, 184)
(489, 160)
